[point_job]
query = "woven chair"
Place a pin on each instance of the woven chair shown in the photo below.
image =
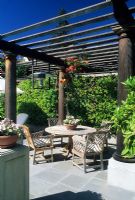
(38, 142)
(53, 122)
(106, 125)
(91, 145)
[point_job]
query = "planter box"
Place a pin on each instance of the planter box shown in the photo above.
(14, 173)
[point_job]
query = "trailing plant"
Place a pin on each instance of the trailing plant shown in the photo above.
(124, 119)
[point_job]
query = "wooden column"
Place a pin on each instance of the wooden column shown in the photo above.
(126, 63)
(10, 86)
(61, 99)
(125, 69)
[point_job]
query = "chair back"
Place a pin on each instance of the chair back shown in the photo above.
(21, 118)
(52, 121)
(95, 141)
(28, 136)
(106, 124)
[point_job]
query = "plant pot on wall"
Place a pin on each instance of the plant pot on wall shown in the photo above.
(7, 141)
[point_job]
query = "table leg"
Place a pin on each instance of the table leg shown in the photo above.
(70, 146)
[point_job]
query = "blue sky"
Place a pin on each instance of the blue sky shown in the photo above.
(18, 13)
(15, 14)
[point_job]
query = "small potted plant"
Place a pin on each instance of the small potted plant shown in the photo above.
(9, 133)
(70, 122)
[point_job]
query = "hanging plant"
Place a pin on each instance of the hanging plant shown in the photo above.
(75, 65)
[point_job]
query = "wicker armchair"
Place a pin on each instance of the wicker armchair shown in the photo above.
(91, 145)
(107, 125)
(53, 122)
(38, 143)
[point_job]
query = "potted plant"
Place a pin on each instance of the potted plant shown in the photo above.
(124, 122)
(9, 133)
(70, 122)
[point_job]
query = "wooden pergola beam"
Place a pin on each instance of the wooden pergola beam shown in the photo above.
(73, 41)
(84, 45)
(122, 13)
(30, 53)
(70, 35)
(58, 18)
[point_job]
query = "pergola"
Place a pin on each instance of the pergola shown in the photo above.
(107, 39)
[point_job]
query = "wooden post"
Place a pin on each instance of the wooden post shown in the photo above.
(125, 69)
(126, 64)
(10, 86)
(61, 99)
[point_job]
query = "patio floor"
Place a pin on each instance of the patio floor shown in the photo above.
(61, 180)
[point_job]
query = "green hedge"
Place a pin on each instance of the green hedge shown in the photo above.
(38, 103)
(2, 106)
(90, 99)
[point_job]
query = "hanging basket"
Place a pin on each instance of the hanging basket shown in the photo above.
(7, 141)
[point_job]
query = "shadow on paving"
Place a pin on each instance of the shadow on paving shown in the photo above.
(87, 195)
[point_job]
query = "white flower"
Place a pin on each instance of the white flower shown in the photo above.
(71, 120)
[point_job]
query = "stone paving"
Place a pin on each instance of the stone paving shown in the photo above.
(61, 180)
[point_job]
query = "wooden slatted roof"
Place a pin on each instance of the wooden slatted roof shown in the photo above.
(90, 33)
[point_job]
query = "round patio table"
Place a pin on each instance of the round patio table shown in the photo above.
(63, 131)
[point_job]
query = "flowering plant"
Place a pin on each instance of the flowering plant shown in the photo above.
(75, 65)
(8, 127)
(71, 120)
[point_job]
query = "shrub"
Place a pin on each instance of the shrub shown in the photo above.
(124, 120)
(2, 106)
(89, 99)
(38, 103)
(92, 99)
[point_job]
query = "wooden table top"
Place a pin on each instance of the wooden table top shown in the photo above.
(62, 130)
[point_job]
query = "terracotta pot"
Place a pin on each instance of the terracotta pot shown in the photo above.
(70, 126)
(8, 141)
